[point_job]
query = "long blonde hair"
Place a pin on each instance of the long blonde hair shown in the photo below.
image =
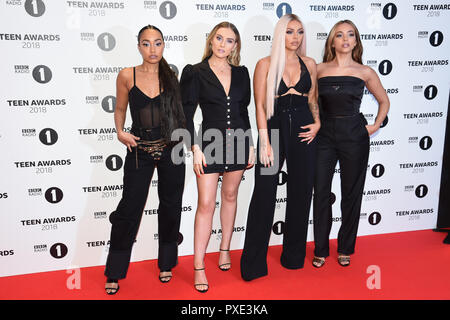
(278, 59)
(330, 53)
(235, 56)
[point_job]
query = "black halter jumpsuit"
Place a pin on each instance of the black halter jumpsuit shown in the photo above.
(291, 112)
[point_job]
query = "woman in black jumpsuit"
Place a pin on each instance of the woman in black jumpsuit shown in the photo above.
(344, 137)
(153, 93)
(295, 121)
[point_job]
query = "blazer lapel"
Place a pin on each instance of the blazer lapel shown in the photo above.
(209, 75)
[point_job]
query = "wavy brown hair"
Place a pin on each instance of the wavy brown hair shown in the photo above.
(235, 56)
(330, 53)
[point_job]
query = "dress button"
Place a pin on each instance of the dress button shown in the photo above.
(228, 98)
(228, 110)
(228, 122)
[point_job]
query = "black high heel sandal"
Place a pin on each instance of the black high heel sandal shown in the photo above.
(112, 290)
(165, 279)
(221, 266)
(201, 284)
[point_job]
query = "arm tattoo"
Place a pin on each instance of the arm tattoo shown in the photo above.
(314, 107)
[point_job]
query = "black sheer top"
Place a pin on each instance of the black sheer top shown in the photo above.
(144, 110)
(302, 86)
(340, 96)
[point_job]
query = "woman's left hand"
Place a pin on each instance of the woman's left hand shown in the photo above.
(309, 135)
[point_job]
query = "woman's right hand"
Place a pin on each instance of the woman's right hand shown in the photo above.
(199, 161)
(127, 139)
(266, 153)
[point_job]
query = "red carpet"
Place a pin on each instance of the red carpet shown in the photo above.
(412, 265)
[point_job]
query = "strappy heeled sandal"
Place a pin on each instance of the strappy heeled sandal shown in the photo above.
(221, 266)
(165, 279)
(201, 284)
(112, 289)
(318, 262)
(344, 260)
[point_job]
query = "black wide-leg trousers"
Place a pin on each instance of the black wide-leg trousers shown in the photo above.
(343, 139)
(126, 219)
(300, 161)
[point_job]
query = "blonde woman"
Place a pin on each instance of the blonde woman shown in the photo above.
(286, 108)
(223, 145)
(344, 137)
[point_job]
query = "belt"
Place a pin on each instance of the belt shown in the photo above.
(153, 148)
(148, 134)
(340, 116)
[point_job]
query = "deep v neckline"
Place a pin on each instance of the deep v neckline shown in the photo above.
(218, 80)
(299, 79)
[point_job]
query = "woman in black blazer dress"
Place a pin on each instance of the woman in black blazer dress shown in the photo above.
(223, 145)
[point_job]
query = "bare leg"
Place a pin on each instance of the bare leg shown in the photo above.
(207, 191)
(229, 192)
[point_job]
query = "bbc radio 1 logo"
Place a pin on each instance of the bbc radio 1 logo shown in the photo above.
(385, 67)
(374, 218)
(377, 170)
(106, 41)
(109, 104)
(168, 10)
(421, 191)
(425, 143)
(42, 74)
(430, 92)
(283, 8)
(114, 162)
(58, 250)
(48, 136)
(54, 195)
(278, 228)
(35, 8)
(436, 38)
(389, 11)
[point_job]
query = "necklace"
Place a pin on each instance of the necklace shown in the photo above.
(220, 68)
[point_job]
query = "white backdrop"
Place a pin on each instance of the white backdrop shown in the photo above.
(61, 163)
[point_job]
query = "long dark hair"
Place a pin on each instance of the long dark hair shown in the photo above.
(172, 114)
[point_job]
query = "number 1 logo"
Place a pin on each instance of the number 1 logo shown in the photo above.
(53, 195)
(106, 41)
(283, 8)
(58, 250)
(35, 8)
(168, 10)
(42, 74)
